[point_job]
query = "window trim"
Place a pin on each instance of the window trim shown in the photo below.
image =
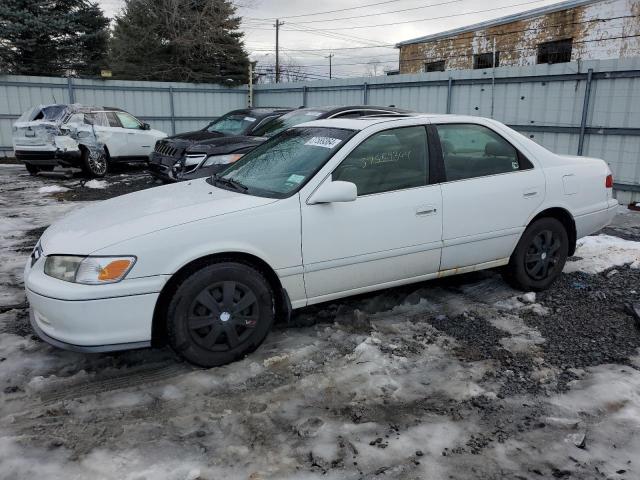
(522, 158)
(427, 149)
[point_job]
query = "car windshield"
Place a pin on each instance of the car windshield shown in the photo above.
(291, 119)
(282, 165)
(232, 124)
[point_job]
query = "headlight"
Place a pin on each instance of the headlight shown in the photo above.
(88, 270)
(222, 159)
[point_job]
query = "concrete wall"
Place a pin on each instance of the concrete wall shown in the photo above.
(517, 42)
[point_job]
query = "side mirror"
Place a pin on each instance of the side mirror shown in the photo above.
(336, 191)
(146, 126)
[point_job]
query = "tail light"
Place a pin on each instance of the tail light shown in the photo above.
(608, 183)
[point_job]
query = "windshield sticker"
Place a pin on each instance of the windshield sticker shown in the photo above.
(313, 114)
(295, 178)
(326, 142)
(249, 119)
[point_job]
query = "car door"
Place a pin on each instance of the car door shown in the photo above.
(391, 233)
(114, 136)
(490, 192)
(140, 142)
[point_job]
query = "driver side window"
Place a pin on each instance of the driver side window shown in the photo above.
(128, 121)
(390, 160)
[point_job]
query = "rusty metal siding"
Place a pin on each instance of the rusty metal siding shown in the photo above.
(518, 41)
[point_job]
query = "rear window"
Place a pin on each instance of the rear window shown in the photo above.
(49, 113)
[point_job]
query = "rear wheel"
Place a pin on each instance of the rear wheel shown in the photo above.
(32, 169)
(94, 163)
(540, 255)
(220, 313)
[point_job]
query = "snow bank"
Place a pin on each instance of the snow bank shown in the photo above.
(99, 184)
(598, 253)
(52, 189)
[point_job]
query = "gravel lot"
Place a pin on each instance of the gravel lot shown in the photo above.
(462, 378)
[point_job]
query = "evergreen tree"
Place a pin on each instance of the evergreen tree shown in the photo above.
(52, 37)
(179, 40)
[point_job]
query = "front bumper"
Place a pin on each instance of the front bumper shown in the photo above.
(162, 167)
(91, 318)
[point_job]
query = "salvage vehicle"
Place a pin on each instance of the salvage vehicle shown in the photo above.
(169, 154)
(90, 138)
(212, 156)
(324, 210)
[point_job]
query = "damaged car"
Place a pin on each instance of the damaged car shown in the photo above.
(170, 159)
(87, 137)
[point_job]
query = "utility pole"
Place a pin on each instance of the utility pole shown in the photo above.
(329, 57)
(252, 66)
(278, 25)
(493, 77)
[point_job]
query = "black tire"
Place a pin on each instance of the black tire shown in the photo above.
(540, 255)
(94, 164)
(47, 168)
(32, 169)
(220, 313)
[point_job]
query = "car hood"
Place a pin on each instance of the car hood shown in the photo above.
(196, 136)
(128, 216)
(225, 144)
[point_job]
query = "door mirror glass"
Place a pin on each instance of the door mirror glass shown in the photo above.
(146, 126)
(336, 191)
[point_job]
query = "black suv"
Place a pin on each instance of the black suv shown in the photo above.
(169, 153)
(206, 158)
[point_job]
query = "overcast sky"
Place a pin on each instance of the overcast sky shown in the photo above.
(330, 29)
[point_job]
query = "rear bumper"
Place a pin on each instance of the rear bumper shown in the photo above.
(48, 157)
(595, 221)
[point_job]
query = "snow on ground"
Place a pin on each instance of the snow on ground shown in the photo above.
(445, 379)
(52, 189)
(96, 184)
(598, 253)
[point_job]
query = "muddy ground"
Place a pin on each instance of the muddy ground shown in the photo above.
(462, 378)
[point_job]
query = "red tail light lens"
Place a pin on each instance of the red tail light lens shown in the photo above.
(609, 181)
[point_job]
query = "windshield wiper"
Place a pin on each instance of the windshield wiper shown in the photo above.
(229, 182)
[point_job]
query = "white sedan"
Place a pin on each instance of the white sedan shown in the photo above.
(325, 210)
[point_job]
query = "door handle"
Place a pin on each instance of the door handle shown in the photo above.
(426, 210)
(530, 193)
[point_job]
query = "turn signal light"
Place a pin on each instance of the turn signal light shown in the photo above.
(609, 181)
(114, 270)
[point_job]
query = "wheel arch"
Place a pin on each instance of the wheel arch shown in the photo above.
(282, 302)
(567, 220)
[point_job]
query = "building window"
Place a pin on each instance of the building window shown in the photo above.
(485, 60)
(555, 52)
(434, 66)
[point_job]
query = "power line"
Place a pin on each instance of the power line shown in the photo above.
(422, 58)
(475, 35)
(331, 11)
(432, 18)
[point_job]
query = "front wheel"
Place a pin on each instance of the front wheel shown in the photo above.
(220, 313)
(32, 169)
(540, 255)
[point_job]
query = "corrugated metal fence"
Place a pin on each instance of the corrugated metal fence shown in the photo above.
(590, 108)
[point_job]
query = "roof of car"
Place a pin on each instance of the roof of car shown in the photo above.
(365, 122)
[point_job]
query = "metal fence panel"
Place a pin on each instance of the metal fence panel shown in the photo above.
(545, 102)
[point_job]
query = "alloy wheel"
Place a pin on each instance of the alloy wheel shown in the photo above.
(98, 163)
